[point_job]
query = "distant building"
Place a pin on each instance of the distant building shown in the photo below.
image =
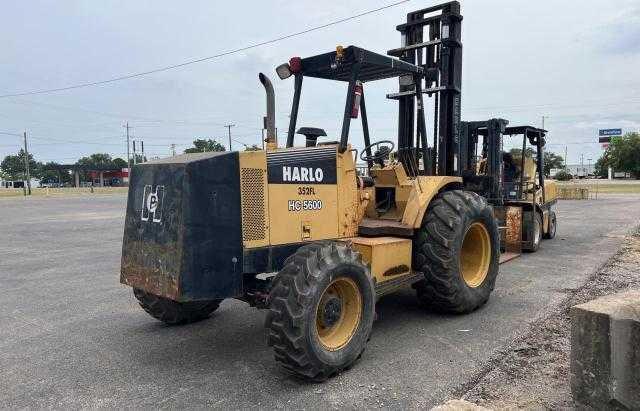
(12, 183)
(110, 178)
(95, 175)
(581, 170)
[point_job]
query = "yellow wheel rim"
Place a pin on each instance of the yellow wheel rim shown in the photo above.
(475, 255)
(338, 313)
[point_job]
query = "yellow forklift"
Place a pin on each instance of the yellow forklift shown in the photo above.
(294, 229)
(513, 183)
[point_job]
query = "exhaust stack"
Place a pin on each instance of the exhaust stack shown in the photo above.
(272, 142)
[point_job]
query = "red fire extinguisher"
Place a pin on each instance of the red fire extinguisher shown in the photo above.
(357, 96)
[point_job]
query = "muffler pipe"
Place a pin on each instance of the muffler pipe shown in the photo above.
(272, 142)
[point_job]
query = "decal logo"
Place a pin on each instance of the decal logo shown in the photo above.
(304, 205)
(303, 174)
(152, 203)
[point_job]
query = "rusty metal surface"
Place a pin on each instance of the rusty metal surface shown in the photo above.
(153, 268)
(513, 233)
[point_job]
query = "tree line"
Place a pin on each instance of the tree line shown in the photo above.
(13, 165)
(622, 155)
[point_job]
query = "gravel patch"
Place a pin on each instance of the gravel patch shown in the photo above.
(533, 372)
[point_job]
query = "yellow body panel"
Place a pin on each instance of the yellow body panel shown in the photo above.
(351, 205)
(550, 190)
(305, 212)
(388, 257)
(424, 189)
(297, 212)
(530, 167)
(391, 175)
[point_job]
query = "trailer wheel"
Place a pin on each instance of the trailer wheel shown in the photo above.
(553, 225)
(174, 313)
(457, 249)
(321, 309)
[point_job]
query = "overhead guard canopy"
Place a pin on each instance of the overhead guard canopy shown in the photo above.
(373, 66)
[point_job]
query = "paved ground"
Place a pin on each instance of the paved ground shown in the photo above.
(71, 336)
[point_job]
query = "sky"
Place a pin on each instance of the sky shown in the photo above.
(575, 62)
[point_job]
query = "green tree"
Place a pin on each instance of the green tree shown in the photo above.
(96, 160)
(52, 173)
(563, 176)
(13, 166)
(552, 160)
(119, 163)
(623, 154)
(602, 166)
(202, 145)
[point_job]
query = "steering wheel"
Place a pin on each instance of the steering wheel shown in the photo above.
(381, 154)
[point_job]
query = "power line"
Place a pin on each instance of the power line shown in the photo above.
(200, 60)
(10, 134)
(158, 122)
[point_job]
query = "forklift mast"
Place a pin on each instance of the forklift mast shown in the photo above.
(431, 39)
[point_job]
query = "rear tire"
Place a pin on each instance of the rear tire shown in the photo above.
(534, 233)
(553, 225)
(172, 312)
(321, 309)
(457, 249)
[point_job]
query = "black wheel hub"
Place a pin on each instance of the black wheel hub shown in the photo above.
(331, 311)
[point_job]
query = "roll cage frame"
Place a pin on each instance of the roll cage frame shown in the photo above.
(430, 62)
(493, 132)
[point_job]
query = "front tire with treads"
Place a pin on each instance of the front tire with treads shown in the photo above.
(321, 309)
(457, 249)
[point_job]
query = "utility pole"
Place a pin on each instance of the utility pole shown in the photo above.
(26, 163)
(565, 157)
(543, 117)
(173, 150)
(142, 160)
(128, 155)
(134, 152)
(228, 126)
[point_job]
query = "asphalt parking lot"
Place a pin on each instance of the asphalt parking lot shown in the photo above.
(71, 336)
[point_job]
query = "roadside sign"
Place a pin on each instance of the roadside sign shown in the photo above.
(605, 146)
(604, 139)
(610, 132)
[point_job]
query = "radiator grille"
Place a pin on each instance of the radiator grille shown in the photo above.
(253, 209)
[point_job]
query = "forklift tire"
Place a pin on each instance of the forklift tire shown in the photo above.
(553, 225)
(321, 310)
(457, 248)
(535, 233)
(172, 312)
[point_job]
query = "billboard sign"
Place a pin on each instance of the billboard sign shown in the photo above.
(610, 132)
